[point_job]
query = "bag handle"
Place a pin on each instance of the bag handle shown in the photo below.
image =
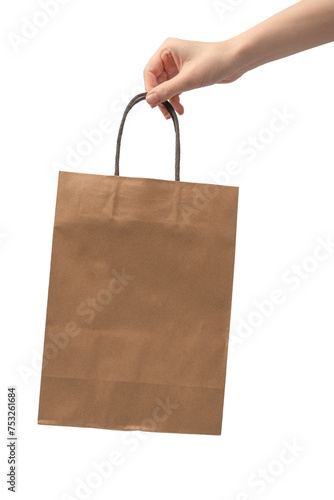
(170, 109)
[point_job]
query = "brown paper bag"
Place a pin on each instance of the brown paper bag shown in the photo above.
(139, 302)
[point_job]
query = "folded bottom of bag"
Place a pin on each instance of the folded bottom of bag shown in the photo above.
(122, 405)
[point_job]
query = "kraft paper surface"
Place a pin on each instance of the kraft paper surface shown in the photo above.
(139, 304)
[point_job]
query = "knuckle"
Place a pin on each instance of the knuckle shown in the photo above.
(168, 41)
(147, 68)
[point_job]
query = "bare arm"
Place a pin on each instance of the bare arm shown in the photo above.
(302, 26)
(181, 65)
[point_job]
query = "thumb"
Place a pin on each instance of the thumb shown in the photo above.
(170, 88)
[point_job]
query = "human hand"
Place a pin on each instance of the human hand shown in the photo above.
(181, 65)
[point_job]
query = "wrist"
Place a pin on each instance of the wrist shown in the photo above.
(228, 60)
(247, 54)
(236, 56)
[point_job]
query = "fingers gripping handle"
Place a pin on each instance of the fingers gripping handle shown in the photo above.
(171, 111)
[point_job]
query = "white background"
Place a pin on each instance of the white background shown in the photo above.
(83, 66)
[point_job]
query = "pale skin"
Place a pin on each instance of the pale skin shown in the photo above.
(181, 65)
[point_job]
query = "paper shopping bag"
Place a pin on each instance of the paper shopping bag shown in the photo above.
(139, 301)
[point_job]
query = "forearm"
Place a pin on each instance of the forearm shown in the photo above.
(181, 65)
(307, 24)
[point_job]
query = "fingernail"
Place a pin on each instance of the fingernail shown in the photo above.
(152, 98)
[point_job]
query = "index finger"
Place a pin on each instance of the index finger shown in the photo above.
(153, 69)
